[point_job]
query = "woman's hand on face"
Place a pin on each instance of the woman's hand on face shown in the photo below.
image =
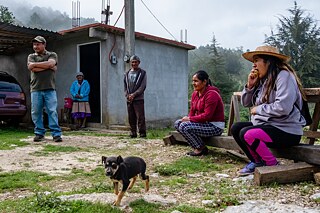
(253, 111)
(253, 78)
(185, 118)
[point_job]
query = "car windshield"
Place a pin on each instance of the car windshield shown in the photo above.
(9, 87)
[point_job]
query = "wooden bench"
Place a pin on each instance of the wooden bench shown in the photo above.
(303, 152)
(307, 152)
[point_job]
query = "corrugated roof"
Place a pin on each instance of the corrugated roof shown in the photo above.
(143, 36)
(13, 37)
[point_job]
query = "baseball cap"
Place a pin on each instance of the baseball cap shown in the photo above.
(134, 57)
(39, 39)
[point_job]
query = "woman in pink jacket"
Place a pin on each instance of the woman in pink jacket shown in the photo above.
(206, 116)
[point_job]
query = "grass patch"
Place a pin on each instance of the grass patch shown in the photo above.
(175, 182)
(51, 203)
(158, 133)
(47, 149)
(141, 206)
(151, 133)
(223, 192)
(22, 180)
(100, 187)
(188, 165)
(10, 138)
(53, 148)
(189, 209)
(95, 181)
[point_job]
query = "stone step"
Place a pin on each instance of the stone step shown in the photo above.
(119, 127)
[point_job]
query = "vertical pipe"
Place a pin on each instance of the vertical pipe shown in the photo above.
(79, 14)
(185, 36)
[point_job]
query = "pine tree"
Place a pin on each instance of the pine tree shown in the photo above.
(299, 37)
(5, 15)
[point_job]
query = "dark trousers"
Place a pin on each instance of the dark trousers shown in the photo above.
(136, 116)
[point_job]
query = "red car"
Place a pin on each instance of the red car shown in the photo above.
(12, 99)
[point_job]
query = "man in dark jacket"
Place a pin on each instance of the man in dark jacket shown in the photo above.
(135, 82)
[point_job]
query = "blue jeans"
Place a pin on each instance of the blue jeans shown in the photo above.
(45, 99)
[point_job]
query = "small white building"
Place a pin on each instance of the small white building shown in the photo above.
(97, 50)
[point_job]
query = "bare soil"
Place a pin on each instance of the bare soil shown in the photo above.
(153, 151)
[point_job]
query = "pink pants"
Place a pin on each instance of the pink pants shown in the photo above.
(262, 151)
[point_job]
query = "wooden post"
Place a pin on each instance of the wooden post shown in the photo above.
(317, 178)
(315, 121)
(234, 115)
(169, 140)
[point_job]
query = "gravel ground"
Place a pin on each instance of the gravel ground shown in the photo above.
(155, 153)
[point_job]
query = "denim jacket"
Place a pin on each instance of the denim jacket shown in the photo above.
(83, 90)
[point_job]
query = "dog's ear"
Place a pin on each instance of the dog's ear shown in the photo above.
(104, 159)
(119, 159)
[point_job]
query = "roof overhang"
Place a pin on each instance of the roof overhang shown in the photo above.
(120, 31)
(14, 38)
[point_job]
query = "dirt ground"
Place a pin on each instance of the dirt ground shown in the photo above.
(25, 158)
(153, 151)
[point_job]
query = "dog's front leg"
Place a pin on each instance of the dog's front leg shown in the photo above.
(125, 184)
(119, 198)
(116, 187)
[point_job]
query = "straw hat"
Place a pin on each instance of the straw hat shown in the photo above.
(266, 50)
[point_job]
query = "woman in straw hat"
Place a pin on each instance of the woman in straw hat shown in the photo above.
(80, 90)
(274, 93)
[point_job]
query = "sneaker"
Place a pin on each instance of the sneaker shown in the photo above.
(250, 167)
(57, 139)
(38, 138)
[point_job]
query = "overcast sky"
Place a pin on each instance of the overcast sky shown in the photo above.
(235, 23)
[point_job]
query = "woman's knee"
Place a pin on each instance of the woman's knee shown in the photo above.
(177, 124)
(185, 126)
(236, 128)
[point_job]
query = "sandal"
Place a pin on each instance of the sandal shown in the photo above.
(204, 151)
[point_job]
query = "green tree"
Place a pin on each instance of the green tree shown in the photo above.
(299, 37)
(5, 15)
(218, 71)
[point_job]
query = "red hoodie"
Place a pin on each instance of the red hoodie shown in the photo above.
(208, 107)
